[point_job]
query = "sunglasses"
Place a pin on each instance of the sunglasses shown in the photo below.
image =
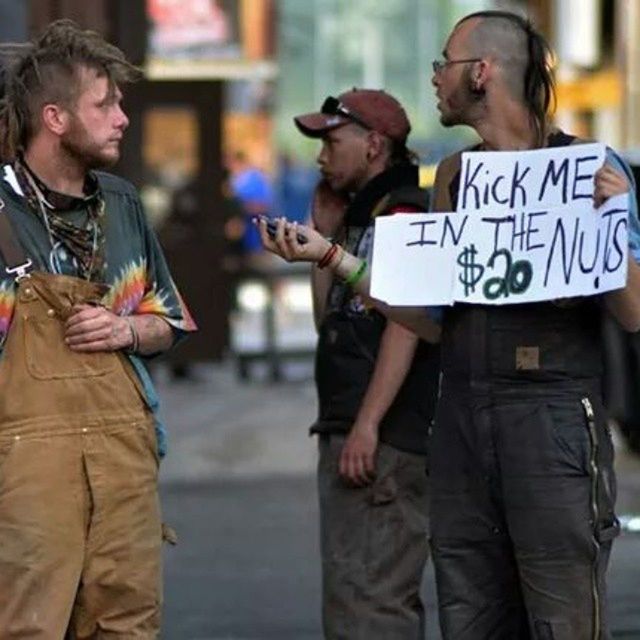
(333, 107)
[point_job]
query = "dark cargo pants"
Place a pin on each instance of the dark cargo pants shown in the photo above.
(374, 546)
(522, 516)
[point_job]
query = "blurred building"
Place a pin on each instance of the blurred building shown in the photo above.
(331, 45)
(587, 42)
(597, 66)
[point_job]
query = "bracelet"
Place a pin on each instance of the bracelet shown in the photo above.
(135, 338)
(340, 259)
(328, 256)
(340, 252)
(355, 276)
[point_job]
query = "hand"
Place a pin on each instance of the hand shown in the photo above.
(286, 245)
(357, 460)
(91, 328)
(608, 182)
(327, 209)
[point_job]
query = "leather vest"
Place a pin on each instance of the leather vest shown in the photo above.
(554, 343)
(350, 334)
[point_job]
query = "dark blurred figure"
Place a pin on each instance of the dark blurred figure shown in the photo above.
(9, 54)
(177, 234)
(185, 228)
(253, 189)
(294, 188)
(234, 225)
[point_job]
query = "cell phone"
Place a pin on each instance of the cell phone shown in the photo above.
(272, 228)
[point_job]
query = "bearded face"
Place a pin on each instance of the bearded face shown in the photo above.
(96, 124)
(86, 149)
(459, 101)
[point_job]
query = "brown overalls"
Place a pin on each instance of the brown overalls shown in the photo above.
(80, 530)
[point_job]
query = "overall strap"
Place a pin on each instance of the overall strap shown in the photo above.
(15, 259)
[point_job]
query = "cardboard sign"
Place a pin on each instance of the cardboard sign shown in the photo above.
(525, 231)
(442, 258)
(523, 180)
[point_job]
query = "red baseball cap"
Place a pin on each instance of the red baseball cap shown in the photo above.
(371, 108)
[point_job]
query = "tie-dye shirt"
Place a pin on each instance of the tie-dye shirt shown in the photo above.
(136, 271)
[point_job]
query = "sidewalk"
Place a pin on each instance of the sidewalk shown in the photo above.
(238, 486)
(220, 429)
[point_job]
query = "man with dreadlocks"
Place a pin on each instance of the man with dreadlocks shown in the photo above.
(84, 292)
(521, 460)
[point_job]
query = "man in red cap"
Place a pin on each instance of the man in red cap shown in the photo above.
(376, 383)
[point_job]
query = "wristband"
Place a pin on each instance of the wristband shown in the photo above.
(355, 276)
(135, 338)
(340, 259)
(328, 256)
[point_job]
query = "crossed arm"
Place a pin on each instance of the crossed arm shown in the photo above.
(93, 328)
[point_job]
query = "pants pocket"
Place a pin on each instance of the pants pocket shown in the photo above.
(151, 440)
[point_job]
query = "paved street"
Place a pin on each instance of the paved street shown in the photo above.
(238, 487)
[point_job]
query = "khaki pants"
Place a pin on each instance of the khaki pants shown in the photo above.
(80, 536)
(374, 547)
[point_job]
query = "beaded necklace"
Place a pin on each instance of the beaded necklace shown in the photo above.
(85, 244)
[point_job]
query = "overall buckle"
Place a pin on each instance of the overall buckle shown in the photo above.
(21, 271)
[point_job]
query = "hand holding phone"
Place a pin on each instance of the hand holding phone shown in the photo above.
(272, 228)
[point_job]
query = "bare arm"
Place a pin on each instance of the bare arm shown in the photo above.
(623, 304)
(395, 356)
(155, 334)
(321, 280)
(286, 245)
(91, 328)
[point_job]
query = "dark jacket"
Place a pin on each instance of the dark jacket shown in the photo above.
(350, 334)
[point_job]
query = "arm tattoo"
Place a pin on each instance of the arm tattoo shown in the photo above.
(154, 333)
